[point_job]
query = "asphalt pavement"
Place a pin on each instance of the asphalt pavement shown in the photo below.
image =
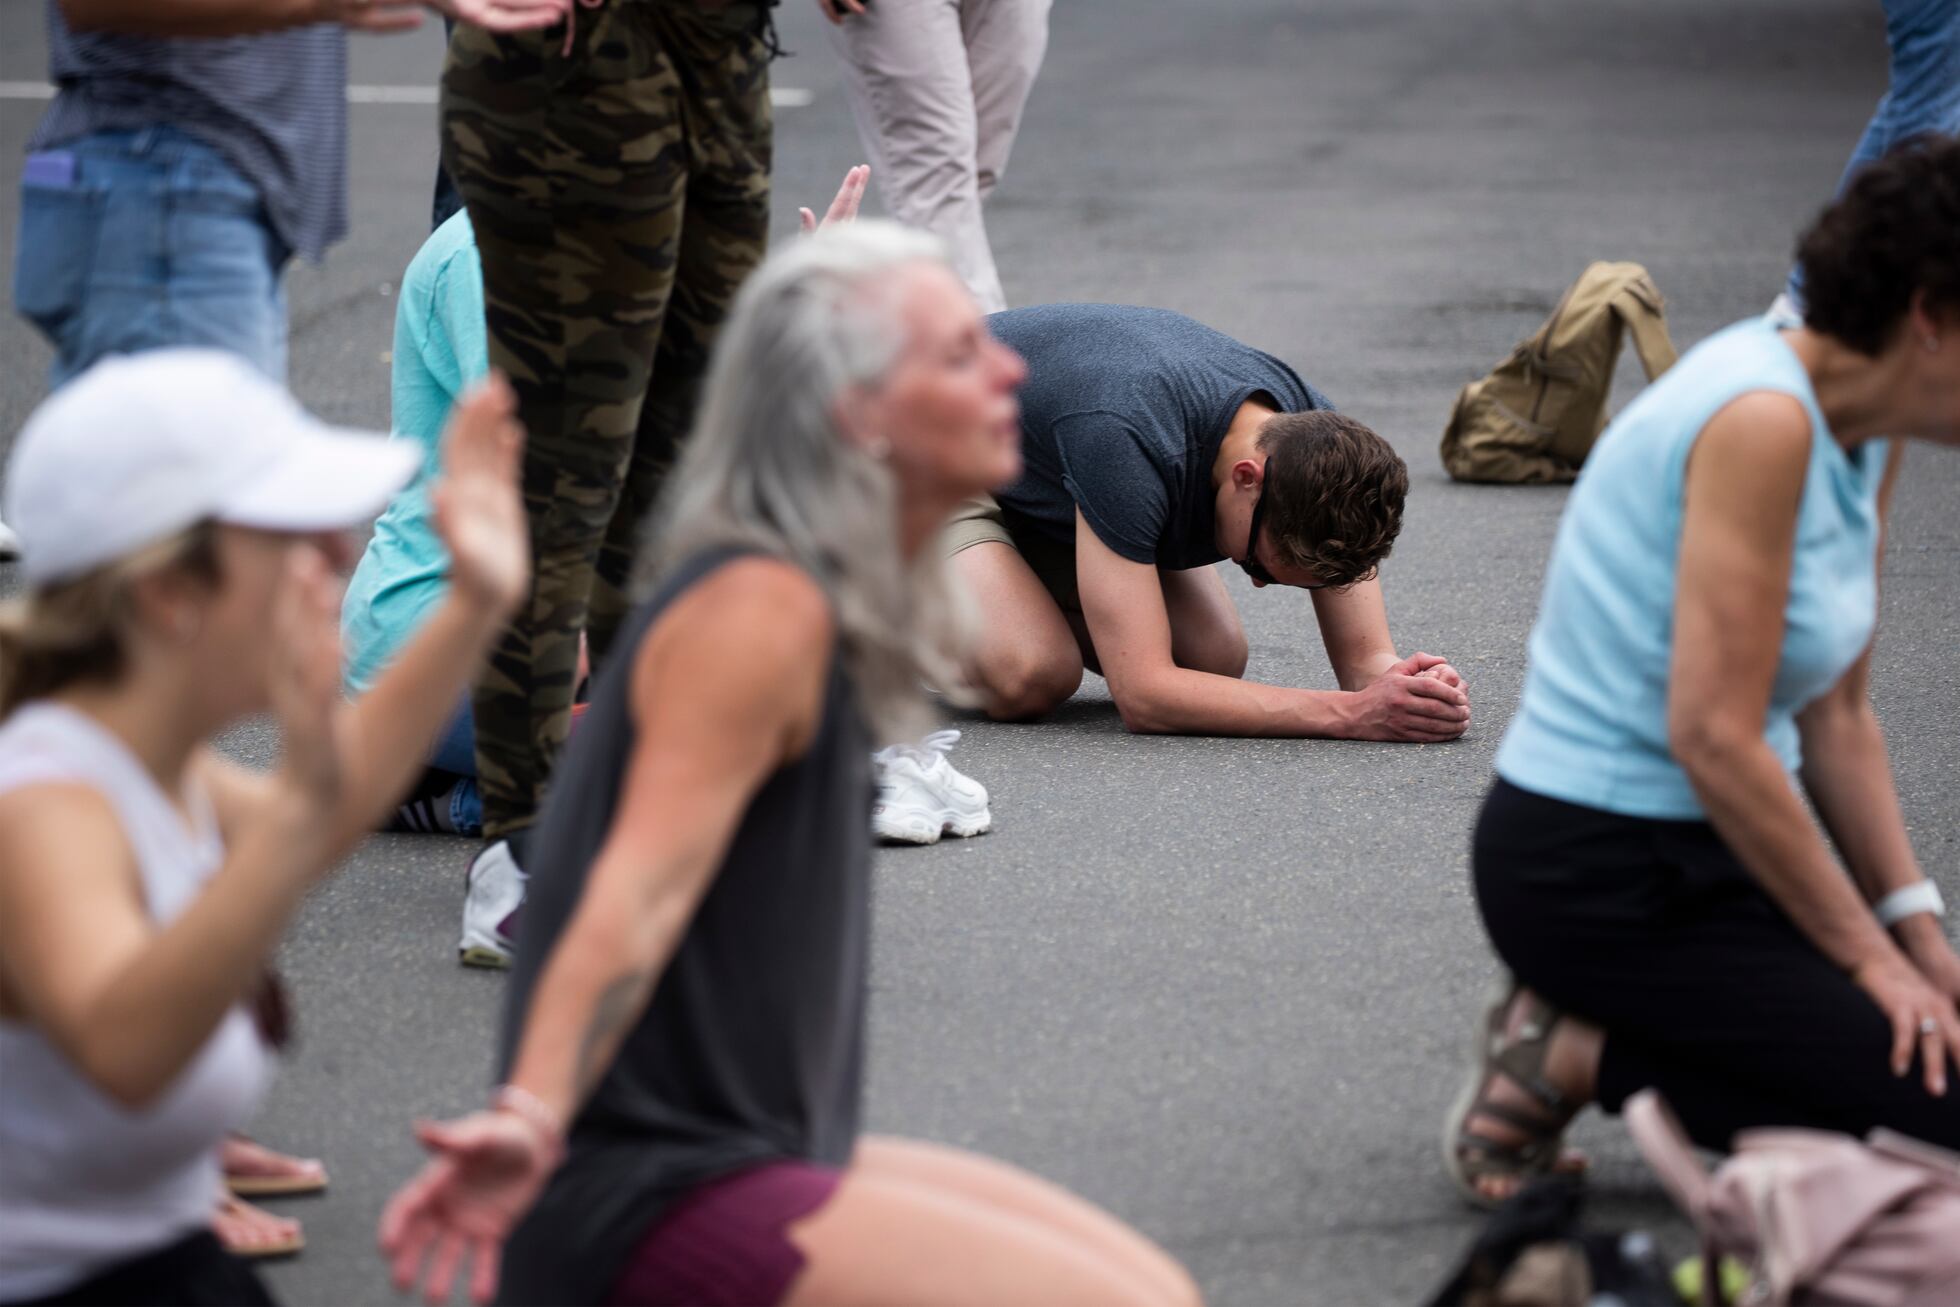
(1221, 987)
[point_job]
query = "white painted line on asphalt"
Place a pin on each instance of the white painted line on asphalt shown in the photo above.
(783, 97)
(358, 94)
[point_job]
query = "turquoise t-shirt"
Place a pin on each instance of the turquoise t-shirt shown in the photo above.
(440, 348)
(1591, 727)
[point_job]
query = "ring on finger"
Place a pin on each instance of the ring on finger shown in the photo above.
(1928, 1026)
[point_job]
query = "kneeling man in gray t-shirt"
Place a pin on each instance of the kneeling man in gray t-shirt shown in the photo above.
(1154, 447)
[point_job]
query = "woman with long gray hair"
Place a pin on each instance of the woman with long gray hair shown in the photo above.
(684, 1032)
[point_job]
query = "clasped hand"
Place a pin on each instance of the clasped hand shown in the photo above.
(1420, 699)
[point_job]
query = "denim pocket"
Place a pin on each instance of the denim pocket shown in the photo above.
(60, 225)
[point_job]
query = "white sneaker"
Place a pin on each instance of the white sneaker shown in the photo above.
(921, 796)
(1784, 312)
(9, 544)
(493, 895)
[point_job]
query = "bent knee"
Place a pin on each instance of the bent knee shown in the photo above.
(1020, 689)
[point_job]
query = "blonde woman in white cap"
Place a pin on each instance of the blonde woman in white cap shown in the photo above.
(180, 523)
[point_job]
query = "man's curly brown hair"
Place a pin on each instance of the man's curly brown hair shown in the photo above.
(1894, 232)
(1333, 494)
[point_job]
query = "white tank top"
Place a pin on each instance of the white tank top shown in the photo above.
(85, 1183)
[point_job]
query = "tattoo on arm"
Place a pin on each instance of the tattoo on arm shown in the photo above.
(619, 1006)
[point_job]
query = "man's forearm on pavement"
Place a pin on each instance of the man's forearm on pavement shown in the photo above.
(1177, 701)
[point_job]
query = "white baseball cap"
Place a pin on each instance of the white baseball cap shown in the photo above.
(142, 446)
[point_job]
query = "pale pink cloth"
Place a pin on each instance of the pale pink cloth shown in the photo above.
(1821, 1219)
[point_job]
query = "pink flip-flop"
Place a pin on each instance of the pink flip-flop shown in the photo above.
(252, 1170)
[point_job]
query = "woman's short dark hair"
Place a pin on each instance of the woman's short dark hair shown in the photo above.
(1333, 494)
(1895, 231)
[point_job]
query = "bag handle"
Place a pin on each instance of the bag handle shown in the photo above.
(1639, 307)
(1669, 1151)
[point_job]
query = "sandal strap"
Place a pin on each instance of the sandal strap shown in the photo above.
(1480, 1154)
(1521, 1058)
(1532, 1125)
(1525, 1069)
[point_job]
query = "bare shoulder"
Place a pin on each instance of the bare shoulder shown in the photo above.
(751, 644)
(1750, 460)
(1761, 423)
(751, 606)
(66, 826)
(28, 811)
(783, 593)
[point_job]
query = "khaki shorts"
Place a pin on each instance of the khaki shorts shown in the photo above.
(981, 520)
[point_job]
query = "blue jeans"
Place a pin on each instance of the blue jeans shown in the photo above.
(455, 751)
(1924, 93)
(136, 240)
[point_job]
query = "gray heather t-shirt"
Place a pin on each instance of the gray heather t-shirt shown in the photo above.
(275, 105)
(1122, 415)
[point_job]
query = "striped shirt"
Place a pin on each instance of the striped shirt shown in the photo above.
(275, 105)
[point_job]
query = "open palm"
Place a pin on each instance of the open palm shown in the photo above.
(487, 1170)
(479, 510)
(843, 207)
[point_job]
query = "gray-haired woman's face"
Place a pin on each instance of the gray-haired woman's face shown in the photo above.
(947, 405)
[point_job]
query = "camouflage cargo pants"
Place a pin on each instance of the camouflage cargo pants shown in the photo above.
(620, 194)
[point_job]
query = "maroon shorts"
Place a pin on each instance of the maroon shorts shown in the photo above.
(727, 1244)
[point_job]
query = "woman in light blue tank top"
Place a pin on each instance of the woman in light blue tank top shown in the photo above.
(1644, 864)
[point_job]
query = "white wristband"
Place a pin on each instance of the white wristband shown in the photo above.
(1921, 896)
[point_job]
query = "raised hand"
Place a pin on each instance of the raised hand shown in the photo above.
(842, 209)
(304, 680)
(479, 510)
(504, 15)
(488, 1169)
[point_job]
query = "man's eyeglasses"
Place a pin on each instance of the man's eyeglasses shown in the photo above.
(1250, 563)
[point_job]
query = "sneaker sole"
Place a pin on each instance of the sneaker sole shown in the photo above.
(950, 823)
(479, 955)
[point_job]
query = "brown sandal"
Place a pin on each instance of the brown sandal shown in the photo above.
(1470, 1156)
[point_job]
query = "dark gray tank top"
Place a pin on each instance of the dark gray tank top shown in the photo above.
(751, 1049)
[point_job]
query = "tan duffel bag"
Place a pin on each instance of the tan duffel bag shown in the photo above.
(1535, 417)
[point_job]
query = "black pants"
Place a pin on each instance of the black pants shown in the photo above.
(193, 1272)
(447, 199)
(1653, 931)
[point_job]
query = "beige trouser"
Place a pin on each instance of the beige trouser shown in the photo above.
(937, 88)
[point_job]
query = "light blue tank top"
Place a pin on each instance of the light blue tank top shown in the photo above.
(1591, 727)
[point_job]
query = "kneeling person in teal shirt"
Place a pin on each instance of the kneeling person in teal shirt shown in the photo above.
(440, 348)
